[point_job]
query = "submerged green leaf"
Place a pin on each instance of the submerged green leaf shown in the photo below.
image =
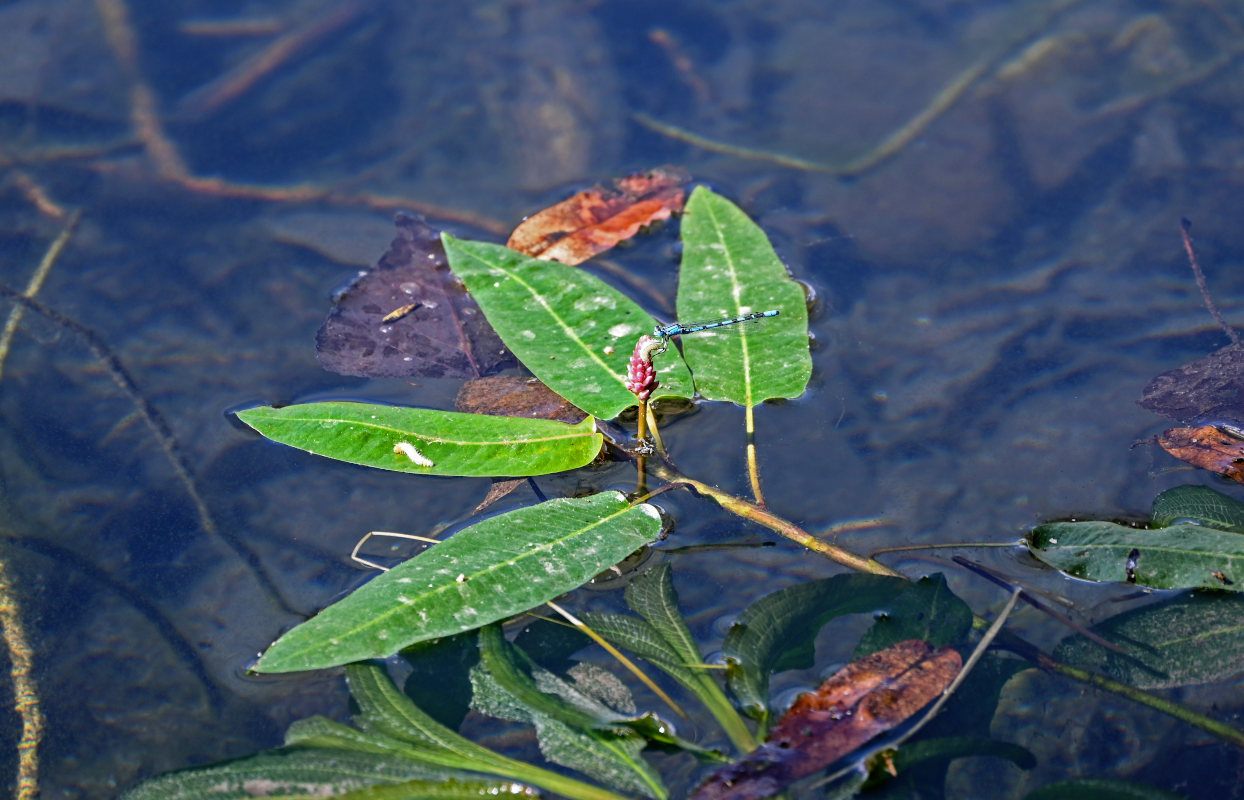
(1178, 557)
(1199, 505)
(1101, 789)
(492, 570)
(926, 610)
(570, 733)
(779, 630)
(429, 442)
(729, 269)
(288, 771)
(574, 332)
(1189, 639)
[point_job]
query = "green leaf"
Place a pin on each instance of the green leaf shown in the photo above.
(441, 790)
(291, 770)
(1101, 789)
(729, 269)
(1199, 505)
(492, 570)
(612, 757)
(387, 713)
(652, 596)
(574, 332)
(320, 731)
(429, 442)
(504, 663)
(779, 630)
(1178, 557)
(1185, 640)
(926, 610)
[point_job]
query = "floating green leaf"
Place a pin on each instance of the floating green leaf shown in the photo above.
(779, 630)
(1184, 640)
(429, 442)
(575, 332)
(729, 269)
(489, 571)
(1178, 557)
(1199, 505)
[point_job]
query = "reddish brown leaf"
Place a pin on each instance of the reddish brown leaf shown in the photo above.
(409, 317)
(863, 699)
(1207, 447)
(593, 221)
(511, 396)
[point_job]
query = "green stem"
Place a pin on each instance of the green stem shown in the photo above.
(715, 700)
(1029, 651)
(775, 523)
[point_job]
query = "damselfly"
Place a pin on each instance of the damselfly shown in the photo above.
(664, 332)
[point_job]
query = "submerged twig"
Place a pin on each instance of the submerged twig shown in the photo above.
(163, 434)
(177, 642)
(25, 691)
(1185, 228)
(897, 140)
(35, 284)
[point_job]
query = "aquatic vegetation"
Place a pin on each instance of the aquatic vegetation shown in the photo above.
(575, 333)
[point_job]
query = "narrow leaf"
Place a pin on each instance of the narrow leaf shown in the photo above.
(729, 269)
(492, 570)
(1184, 640)
(575, 332)
(1178, 557)
(457, 789)
(505, 664)
(1199, 505)
(652, 596)
(385, 711)
(612, 757)
(292, 770)
(429, 442)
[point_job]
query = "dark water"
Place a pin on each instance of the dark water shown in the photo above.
(994, 288)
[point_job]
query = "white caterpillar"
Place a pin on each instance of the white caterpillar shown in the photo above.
(407, 449)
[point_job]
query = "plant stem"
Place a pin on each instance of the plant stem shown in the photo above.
(1029, 651)
(753, 472)
(775, 523)
(641, 433)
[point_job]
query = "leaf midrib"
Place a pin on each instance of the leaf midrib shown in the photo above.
(539, 298)
(573, 434)
(718, 232)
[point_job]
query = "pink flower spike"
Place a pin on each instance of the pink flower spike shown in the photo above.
(641, 376)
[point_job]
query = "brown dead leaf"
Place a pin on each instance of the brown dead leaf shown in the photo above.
(863, 699)
(595, 220)
(410, 317)
(1207, 447)
(512, 396)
